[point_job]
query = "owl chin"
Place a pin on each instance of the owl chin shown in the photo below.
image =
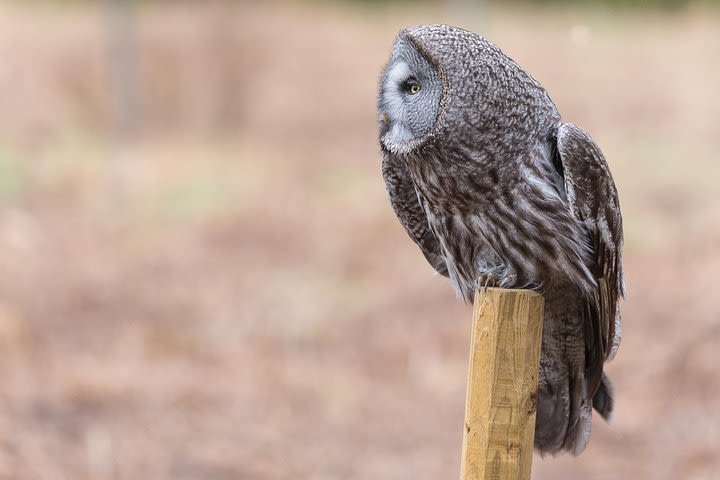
(397, 138)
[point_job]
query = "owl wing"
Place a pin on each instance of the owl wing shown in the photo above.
(404, 200)
(593, 199)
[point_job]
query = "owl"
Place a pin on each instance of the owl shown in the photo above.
(497, 190)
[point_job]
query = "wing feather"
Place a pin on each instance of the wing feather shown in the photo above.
(593, 199)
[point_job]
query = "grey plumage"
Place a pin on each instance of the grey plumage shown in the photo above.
(494, 188)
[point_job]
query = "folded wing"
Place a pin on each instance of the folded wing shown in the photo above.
(593, 199)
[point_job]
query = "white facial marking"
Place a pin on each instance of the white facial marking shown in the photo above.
(399, 73)
(395, 107)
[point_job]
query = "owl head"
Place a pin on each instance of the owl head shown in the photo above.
(444, 84)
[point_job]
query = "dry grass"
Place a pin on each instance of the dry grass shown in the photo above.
(230, 296)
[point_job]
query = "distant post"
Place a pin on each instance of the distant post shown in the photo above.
(123, 64)
(502, 385)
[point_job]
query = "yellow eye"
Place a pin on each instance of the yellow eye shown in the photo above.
(414, 88)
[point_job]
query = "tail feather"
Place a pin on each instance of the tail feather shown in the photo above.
(604, 399)
(564, 414)
(580, 417)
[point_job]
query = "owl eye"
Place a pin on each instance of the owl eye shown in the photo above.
(411, 86)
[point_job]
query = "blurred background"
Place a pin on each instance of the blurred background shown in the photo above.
(201, 276)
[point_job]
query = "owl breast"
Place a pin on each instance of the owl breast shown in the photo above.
(508, 227)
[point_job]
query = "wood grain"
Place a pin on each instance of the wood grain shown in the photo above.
(502, 385)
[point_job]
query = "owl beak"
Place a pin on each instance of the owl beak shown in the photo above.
(384, 118)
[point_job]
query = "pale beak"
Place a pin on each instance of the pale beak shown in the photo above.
(384, 118)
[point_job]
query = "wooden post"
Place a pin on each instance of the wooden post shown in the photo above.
(502, 385)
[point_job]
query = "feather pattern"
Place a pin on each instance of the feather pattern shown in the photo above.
(496, 190)
(593, 199)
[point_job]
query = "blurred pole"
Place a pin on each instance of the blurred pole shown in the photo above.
(460, 5)
(123, 65)
(467, 13)
(122, 61)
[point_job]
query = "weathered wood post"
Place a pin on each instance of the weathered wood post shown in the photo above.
(502, 385)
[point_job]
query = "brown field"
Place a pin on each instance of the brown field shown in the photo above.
(227, 294)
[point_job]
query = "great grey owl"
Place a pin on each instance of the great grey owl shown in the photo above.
(496, 190)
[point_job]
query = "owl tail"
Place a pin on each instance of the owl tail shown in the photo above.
(604, 399)
(564, 414)
(580, 412)
(579, 418)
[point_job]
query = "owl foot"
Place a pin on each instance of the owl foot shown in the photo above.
(485, 281)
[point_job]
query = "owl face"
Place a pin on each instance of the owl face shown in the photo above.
(409, 98)
(446, 88)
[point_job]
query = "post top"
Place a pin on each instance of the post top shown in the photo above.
(509, 290)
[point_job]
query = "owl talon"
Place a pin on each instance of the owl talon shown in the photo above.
(484, 282)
